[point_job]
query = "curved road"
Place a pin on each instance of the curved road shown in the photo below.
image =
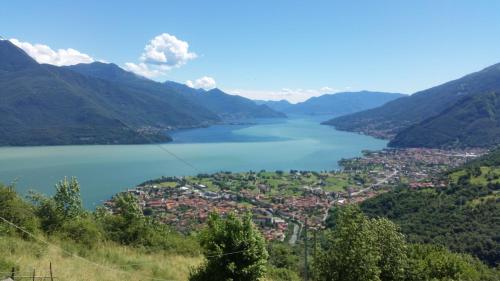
(293, 239)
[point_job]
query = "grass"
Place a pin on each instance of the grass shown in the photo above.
(105, 262)
(168, 184)
(337, 183)
(483, 199)
(115, 262)
(281, 183)
(486, 173)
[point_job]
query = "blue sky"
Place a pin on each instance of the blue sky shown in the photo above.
(275, 49)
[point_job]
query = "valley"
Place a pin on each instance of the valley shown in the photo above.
(250, 141)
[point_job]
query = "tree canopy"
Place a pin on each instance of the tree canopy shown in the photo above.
(234, 250)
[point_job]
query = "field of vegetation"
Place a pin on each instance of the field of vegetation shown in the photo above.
(462, 216)
(280, 183)
(438, 234)
(105, 261)
(98, 245)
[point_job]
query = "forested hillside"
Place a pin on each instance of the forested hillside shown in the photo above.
(45, 104)
(225, 106)
(99, 103)
(462, 216)
(394, 117)
(472, 122)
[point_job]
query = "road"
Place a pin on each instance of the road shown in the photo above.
(293, 239)
(379, 182)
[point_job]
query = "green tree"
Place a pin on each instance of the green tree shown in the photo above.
(127, 206)
(84, 230)
(64, 206)
(128, 225)
(282, 256)
(430, 262)
(351, 253)
(392, 249)
(50, 218)
(234, 250)
(67, 198)
(16, 210)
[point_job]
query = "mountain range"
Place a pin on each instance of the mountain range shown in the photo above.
(459, 113)
(337, 104)
(101, 103)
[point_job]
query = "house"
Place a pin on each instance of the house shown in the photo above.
(156, 203)
(264, 188)
(262, 220)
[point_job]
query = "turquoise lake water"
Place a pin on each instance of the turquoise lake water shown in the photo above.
(102, 170)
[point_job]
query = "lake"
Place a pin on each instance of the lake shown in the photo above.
(282, 144)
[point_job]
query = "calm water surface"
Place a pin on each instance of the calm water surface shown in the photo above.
(103, 170)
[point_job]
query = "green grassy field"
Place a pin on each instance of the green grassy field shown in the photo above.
(280, 183)
(106, 262)
(488, 174)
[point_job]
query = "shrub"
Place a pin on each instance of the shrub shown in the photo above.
(17, 211)
(234, 249)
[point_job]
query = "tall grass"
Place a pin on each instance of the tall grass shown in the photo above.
(109, 261)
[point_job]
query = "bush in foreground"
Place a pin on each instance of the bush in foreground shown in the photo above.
(234, 250)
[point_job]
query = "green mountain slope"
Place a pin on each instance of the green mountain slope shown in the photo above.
(226, 106)
(48, 105)
(463, 216)
(472, 122)
(223, 105)
(395, 116)
(235, 107)
(342, 103)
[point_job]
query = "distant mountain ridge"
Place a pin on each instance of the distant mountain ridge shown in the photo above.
(227, 107)
(281, 105)
(343, 103)
(389, 120)
(337, 104)
(89, 104)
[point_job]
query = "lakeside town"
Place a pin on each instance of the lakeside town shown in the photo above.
(280, 202)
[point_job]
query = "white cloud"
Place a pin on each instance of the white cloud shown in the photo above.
(144, 70)
(204, 82)
(44, 54)
(292, 95)
(166, 49)
(326, 89)
(161, 54)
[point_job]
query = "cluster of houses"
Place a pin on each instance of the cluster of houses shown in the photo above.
(186, 207)
(185, 204)
(416, 166)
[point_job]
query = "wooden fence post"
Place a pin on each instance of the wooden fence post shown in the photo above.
(51, 277)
